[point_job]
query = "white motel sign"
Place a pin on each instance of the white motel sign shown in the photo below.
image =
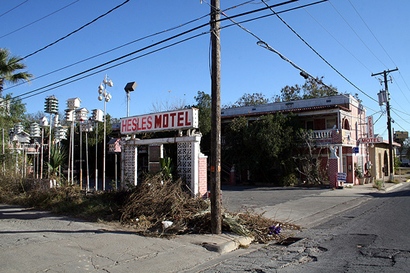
(162, 121)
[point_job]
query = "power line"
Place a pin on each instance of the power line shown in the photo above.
(371, 32)
(357, 35)
(4, 13)
(319, 55)
(73, 32)
(340, 43)
(73, 78)
(111, 50)
(404, 113)
(385, 51)
(129, 54)
(155, 34)
(29, 24)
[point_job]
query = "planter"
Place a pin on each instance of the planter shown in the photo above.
(361, 181)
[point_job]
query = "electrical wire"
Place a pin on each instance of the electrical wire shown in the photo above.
(357, 35)
(158, 33)
(404, 113)
(340, 43)
(38, 20)
(371, 32)
(396, 123)
(265, 45)
(4, 13)
(73, 78)
(320, 56)
(385, 51)
(111, 50)
(73, 32)
(36, 91)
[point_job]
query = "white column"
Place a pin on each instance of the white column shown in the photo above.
(340, 158)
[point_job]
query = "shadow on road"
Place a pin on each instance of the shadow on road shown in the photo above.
(9, 212)
(399, 193)
(267, 188)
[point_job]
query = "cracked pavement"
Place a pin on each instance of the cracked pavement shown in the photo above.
(372, 237)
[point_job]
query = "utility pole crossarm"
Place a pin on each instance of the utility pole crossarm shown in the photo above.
(385, 71)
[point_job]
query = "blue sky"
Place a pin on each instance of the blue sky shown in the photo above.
(356, 37)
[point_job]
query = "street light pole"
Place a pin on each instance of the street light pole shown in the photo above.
(50, 107)
(44, 123)
(96, 117)
(104, 95)
(96, 157)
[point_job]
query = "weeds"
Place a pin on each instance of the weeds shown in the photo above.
(144, 208)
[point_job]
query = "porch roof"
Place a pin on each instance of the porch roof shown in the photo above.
(254, 111)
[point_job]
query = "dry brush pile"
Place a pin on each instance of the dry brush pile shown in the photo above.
(164, 208)
(155, 207)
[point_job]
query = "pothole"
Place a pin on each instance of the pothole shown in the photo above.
(288, 241)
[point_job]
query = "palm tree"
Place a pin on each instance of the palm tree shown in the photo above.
(10, 67)
(57, 158)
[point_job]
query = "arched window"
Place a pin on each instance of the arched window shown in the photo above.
(346, 124)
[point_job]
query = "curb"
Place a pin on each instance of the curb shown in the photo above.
(227, 243)
(392, 187)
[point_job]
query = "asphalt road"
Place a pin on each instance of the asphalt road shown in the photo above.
(238, 198)
(370, 238)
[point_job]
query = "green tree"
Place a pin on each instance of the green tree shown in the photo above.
(289, 93)
(262, 146)
(308, 159)
(57, 159)
(11, 109)
(315, 88)
(203, 103)
(10, 69)
(312, 88)
(251, 100)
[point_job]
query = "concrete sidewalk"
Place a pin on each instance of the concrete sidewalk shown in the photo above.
(33, 241)
(310, 211)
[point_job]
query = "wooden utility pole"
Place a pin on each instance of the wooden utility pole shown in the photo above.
(216, 218)
(389, 129)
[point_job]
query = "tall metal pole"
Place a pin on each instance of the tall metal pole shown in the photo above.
(81, 156)
(115, 156)
(49, 146)
(96, 157)
(128, 103)
(42, 153)
(104, 142)
(72, 150)
(215, 160)
(86, 158)
(69, 162)
(3, 150)
(389, 129)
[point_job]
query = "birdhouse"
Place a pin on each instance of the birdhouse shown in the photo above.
(114, 145)
(81, 114)
(73, 103)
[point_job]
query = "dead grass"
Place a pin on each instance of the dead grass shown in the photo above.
(143, 209)
(156, 201)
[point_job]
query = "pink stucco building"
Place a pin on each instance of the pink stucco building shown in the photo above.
(337, 123)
